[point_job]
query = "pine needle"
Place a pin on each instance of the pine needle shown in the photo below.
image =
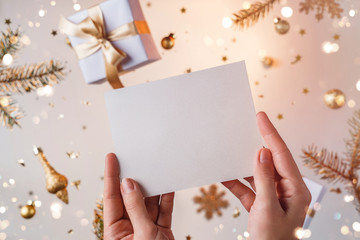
(248, 17)
(9, 112)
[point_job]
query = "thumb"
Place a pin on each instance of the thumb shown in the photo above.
(264, 177)
(135, 207)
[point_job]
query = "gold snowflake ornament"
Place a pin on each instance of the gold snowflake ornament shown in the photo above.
(211, 201)
(321, 6)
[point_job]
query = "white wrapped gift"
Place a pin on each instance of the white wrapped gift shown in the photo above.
(317, 193)
(139, 49)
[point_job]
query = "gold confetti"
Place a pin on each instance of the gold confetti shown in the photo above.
(51, 105)
(67, 41)
(211, 201)
(188, 237)
(70, 231)
(148, 4)
(236, 213)
(233, 40)
(280, 116)
(76, 184)
(261, 96)
(183, 10)
(54, 33)
(256, 83)
(305, 91)
(73, 155)
(21, 162)
(7, 21)
(302, 32)
(224, 58)
(84, 127)
(336, 190)
(336, 37)
(85, 102)
(188, 70)
(297, 59)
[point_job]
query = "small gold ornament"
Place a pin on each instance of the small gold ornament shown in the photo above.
(281, 26)
(13, 39)
(28, 211)
(334, 98)
(55, 182)
(267, 61)
(168, 42)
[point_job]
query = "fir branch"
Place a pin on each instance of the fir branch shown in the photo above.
(248, 17)
(98, 222)
(10, 42)
(26, 78)
(320, 7)
(353, 145)
(326, 164)
(9, 112)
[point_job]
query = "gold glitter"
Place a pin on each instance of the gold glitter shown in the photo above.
(70, 231)
(280, 116)
(54, 33)
(183, 10)
(76, 184)
(188, 70)
(236, 213)
(297, 59)
(302, 32)
(188, 237)
(305, 91)
(73, 155)
(21, 162)
(261, 96)
(224, 58)
(336, 37)
(148, 4)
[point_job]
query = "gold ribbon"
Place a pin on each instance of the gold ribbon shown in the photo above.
(93, 30)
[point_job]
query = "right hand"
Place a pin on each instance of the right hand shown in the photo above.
(278, 204)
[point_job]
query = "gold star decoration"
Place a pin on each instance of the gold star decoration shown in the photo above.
(297, 59)
(280, 116)
(336, 37)
(257, 83)
(211, 201)
(73, 155)
(305, 91)
(7, 21)
(302, 32)
(183, 10)
(188, 237)
(224, 58)
(76, 184)
(148, 4)
(54, 33)
(188, 70)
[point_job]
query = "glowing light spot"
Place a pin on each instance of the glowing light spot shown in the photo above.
(14, 199)
(221, 226)
(84, 222)
(226, 22)
(344, 230)
(41, 13)
(239, 237)
(23, 227)
(76, 7)
(37, 203)
(47, 91)
(5, 184)
(4, 101)
(2, 236)
(36, 120)
(329, 47)
(53, 3)
(287, 12)
(352, 13)
(37, 24)
(317, 206)
(56, 209)
(351, 103)
(11, 181)
(7, 59)
(246, 234)
(25, 40)
(348, 198)
(208, 41)
(299, 233)
(358, 85)
(246, 5)
(2, 209)
(356, 226)
(307, 233)
(30, 24)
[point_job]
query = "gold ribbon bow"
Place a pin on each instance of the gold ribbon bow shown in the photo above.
(93, 30)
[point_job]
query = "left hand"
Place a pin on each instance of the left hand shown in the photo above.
(127, 215)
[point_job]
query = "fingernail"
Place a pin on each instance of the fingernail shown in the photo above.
(265, 155)
(127, 185)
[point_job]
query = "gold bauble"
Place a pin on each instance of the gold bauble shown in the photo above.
(267, 62)
(55, 182)
(27, 211)
(281, 26)
(168, 42)
(334, 98)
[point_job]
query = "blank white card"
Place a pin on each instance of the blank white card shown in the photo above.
(185, 131)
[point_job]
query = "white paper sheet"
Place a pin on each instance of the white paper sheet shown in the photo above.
(185, 131)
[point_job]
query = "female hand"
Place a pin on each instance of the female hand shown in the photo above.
(127, 215)
(279, 204)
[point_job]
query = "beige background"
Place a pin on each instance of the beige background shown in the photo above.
(306, 119)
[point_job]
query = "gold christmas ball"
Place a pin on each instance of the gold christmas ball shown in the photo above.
(267, 62)
(281, 26)
(27, 211)
(334, 98)
(168, 42)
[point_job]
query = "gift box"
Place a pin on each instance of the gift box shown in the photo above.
(134, 44)
(317, 193)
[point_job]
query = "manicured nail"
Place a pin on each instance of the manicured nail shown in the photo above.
(265, 155)
(127, 185)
